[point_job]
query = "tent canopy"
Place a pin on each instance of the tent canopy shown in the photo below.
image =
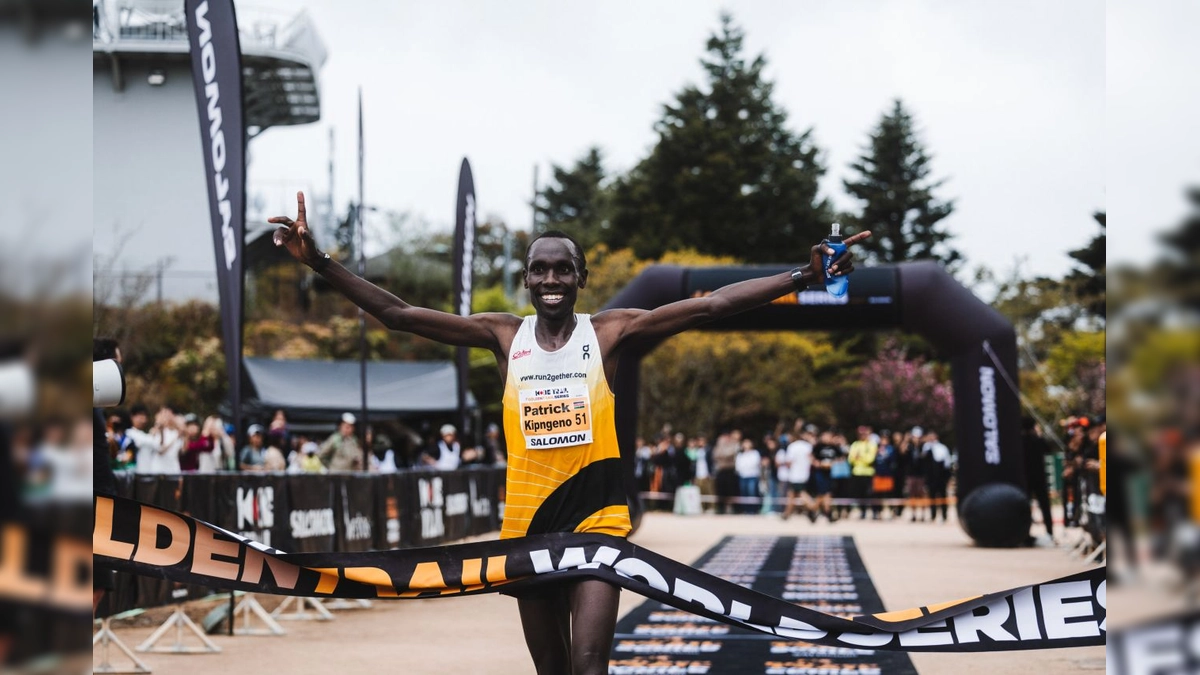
(325, 389)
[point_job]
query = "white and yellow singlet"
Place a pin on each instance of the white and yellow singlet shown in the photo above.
(564, 467)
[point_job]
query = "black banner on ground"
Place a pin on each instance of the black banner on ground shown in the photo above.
(144, 539)
(822, 573)
(217, 77)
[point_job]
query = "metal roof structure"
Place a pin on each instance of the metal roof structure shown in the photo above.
(281, 53)
(310, 388)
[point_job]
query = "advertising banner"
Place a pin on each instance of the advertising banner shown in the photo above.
(144, 539)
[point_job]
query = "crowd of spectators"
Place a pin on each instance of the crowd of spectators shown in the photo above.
(184, 443)
(819, 472)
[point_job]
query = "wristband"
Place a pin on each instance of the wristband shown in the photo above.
(801, 278)
(321, 263)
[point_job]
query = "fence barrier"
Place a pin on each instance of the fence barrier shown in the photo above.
(309, 513)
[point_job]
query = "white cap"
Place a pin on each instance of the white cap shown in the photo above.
(309, 448)
(917, 431)
(349, 418)
(448, 429)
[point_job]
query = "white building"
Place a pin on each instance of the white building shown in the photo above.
(150, 203)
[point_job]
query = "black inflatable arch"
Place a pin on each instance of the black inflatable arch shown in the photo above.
(918, 297)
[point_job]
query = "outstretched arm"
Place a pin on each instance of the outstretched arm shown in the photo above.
(480, 330)
(677, 317)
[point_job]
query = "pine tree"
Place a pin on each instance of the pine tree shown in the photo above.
(898, 204)
(1182, 269)
(576, 202)
(727, 176)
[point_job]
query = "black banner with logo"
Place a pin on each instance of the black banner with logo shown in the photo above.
(482, 491)
(1159, 647)
(217, 77)
(390, 523)
(45, 580)
(313, 513)
(456, 509)
(144, 539)
(987, 416)
(355, 512)
(311, 522)
(464, 275)
(426, 504)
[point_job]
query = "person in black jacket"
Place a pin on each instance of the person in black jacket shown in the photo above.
(1036, 449)
(103, 480)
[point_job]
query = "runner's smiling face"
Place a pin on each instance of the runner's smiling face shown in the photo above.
(553, 278)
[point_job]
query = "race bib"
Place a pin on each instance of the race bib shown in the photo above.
(556, 417)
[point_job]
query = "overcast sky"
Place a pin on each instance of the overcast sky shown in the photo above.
(1009, 96)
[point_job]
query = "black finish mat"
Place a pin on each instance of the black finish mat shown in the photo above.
(822, 572)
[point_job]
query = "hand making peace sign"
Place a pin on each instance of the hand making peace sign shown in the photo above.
(296, 237)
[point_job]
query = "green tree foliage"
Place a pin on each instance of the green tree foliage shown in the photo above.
(703, 382)
(1183, 265)
(1077, 365)
(609, 272)
(898, 204)
(1060, 354)
(577, 201)
(726, 176)
(1088, 280)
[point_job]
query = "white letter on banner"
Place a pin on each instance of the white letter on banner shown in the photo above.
(212, 92)
(690, 592)
(1102, 598)
(208, 62)
(202, 23)
(632, 568)
(789, 627)
(222, 184)
(876, 639)
(1056, 611)
(572, 557)
(1026, 611)
(919, 637)
(226, 213)
(1149, 651)
(967, 627)
(606, 555)
(218, 151)
(739, 611)
(541, 561)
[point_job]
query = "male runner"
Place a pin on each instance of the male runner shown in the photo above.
(564, 471)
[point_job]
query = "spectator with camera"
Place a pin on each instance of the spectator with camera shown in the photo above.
(168, 435)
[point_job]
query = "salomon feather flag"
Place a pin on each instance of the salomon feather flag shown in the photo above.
(217, 77)
(464, 269)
